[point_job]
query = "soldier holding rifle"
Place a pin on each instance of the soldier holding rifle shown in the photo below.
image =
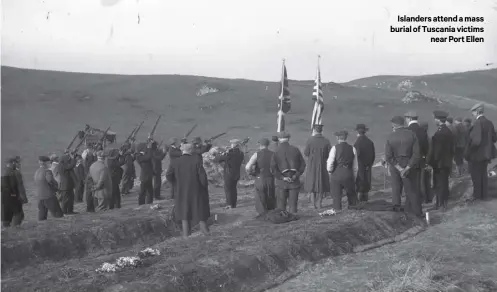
(233, 158)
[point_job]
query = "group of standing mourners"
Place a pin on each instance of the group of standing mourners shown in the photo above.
(101, 177)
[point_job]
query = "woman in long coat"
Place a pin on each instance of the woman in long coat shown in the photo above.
(191, 197)
(317, 179)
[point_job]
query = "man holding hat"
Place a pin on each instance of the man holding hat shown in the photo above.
(317, 180)
(174, 152)
(46, 188)
(342, 165)
(480, 151)
(11, 198)
(440, 158)
(411, 118)
(102, 182)
(191, 198)
(365, 160)
(259, 166)
(232, 159)
(402, 155)
(287, 165)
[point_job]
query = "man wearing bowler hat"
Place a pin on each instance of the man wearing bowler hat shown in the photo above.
(440, 158)
(365, 160)
(402, 155)
(287, 165)
(342, 165)
(480, 150)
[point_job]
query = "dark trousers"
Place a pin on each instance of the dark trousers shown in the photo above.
(343, 179)
(146, 191)
(284, 196)
(157, 185)
(78, 191)
(479, 176)
(459, 156)
(410, 186)
(12, 213)
(173, 189)
(115, 199)
(127, 183)
(363, 182)
(425, 185)
(231, 191)
(66, 199)
(49, 205)
(265, 198)
(442, 187)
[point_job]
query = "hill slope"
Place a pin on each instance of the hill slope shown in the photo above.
(42, 110)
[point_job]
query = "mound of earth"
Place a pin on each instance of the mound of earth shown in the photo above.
(416, 96)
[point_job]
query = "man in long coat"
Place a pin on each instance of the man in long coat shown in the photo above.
(342, 166)
(158, 156)
(46, 188)
(144, 158)
(114, 161)
(79, 172)
(480, 150)
(460, 143)
(259, 166)
(67, 183)
(102, 182)
(232, 160)
(191, 200)
(365, 160)
(174, 152)
(402, 155)
(12, 201)
(317, 180)
(287, 165)
(129, 172)
(440, 158)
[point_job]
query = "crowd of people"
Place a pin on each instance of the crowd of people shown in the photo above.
(413, 160)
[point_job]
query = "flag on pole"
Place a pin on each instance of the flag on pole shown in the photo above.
(317, 113)
(284, 103)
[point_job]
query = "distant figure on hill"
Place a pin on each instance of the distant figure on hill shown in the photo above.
(480, 150)
(365, 160)
(317, 179)
(46, 188)
(232, 160)
(411, 118)
(287, 165)
(402, 155)
(259, 166)
(460, 143)
(191, 198)
(440, 158)
(342, 165)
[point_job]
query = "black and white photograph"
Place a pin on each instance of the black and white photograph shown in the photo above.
(248, 146)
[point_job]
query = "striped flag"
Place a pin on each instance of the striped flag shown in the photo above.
(317, 113)
(284, 103)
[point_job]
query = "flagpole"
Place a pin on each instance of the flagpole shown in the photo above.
(280, 111)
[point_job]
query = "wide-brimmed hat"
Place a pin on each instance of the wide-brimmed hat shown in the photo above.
(361, 127)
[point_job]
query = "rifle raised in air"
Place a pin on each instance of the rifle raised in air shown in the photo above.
(80, 143)
(185, 138)
(72, 141)
(151, 135)
(215, 137)
(101, 141)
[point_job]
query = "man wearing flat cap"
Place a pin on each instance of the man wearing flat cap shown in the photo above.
(317, 180)
(342, 165)
(402, 155)
(232, 160)
(365, 159)
(259, 166)
(101, 189)
(411, 118)
(46, 188)
(440, 159)
(480, 150)
(287, 165)
(461, 136)
(174, 152)
(12, 213)
(191, 198)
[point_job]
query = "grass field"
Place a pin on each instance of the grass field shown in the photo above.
(41, 111)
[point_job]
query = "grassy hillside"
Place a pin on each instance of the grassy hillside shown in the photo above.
(41, 110)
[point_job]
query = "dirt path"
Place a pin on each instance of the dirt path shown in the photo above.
(459, 251)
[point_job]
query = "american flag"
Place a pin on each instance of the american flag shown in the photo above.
(317, 113)
(284, 103)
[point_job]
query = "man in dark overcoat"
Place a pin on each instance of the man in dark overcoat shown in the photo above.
(317, 179)
(459, 144)
(259, 166)
(287, 165)
(158, 156)
(79, 172)
(144, 159)
(12, 201)
(191, 199)
(402, 155)
(232, 160)
(115, 160)
(67, 183)
(365, 160)
(440, 158)
(129, 172)
(480, 150)
(342, 166)
(174, 152)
